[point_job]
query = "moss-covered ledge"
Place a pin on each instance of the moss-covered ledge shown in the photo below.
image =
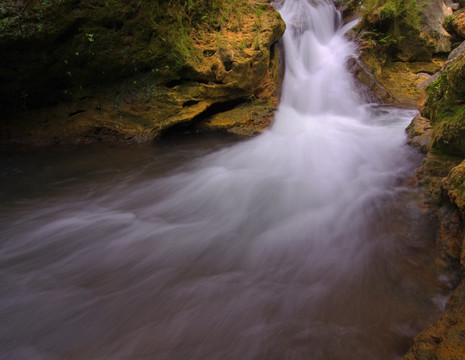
(86, 70)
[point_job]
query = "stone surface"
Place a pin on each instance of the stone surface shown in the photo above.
(442, 190)
(397, 43)
(454, 185)
(454, 54)
(242, 120)
(395, 82)
(445, 340)
(371, 88)
(420, 133)
(446, 110)
(458, 23)
(432, 17)
(130, 73)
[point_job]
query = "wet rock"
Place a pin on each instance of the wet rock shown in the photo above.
(454, 54)
(446, 338)
(394, 82)
(454, 185)
(420, 133)
(243, 120)
(442, 189)
(446, 110)
(397, 43)
(432, 16)
(370, 88)
(134, 70)
(458, 23)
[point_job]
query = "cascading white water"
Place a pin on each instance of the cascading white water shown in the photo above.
(286, 246)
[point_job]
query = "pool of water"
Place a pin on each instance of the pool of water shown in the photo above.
(89, 269)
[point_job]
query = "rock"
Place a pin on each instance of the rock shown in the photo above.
(420, 133)
(454, 185)
(393, 82)
(370, 89)
(454, 54)
(392, 31)
(243, 120)
(442, 180)
(432, 17)
(445, 108)
(458, 23)
(348, 8)
(396, 49)
(136, 71)
(446, 338)
(431, 79)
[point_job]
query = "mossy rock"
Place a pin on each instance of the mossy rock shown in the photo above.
(446, 109)
(420, 133)
(391, 29)
(454, 185)
(134, 68)
(445, 339)
(449, 133)
(70, 43)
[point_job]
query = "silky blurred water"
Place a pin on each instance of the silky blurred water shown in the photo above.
(302, 243)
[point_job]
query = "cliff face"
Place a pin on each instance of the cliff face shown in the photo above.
(86, 70)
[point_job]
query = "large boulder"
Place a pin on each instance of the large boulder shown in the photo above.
(396, 46)
(86, 70)
(394, 30)
(432, 16)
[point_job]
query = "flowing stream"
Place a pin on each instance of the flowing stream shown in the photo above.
(302, 243)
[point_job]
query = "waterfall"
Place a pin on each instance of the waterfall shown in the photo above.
(301, 243)
(313, 178)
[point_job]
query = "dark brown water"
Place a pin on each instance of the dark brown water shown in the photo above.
(88, 270)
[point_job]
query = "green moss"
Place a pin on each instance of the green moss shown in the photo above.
(454, 184)
(446, 109)
(51, 48)
(131, 67)
(391, 28)
(449, 132)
